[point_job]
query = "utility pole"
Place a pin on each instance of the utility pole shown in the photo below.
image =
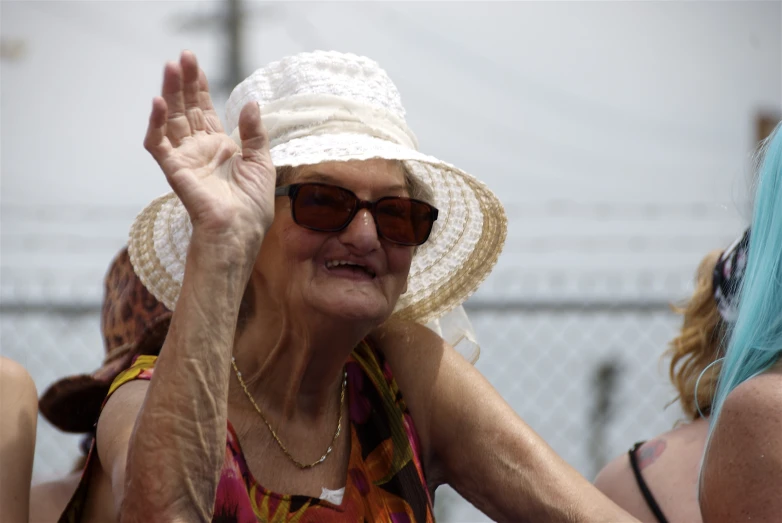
(229, 22)
(233, 30)
(606, 379)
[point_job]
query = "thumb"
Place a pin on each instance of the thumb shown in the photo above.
(255, 140)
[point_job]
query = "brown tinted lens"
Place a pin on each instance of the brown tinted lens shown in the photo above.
(404, 221)
(323, 207)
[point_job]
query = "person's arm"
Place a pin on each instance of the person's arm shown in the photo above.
(165, 467)
(742, 468)
(177, 446)
(475, 442)
(19, 411)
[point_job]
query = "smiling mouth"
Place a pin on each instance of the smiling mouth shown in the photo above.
(349, 268)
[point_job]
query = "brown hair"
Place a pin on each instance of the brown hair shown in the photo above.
(697, 345)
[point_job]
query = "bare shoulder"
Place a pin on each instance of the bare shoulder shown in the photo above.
(614, 478)
(117, 420)
(617, 481)
(434, 380)
(750, 423)
(756, 404)
(407, 343)
(15, 381)
(424, 364)
(115, 427)
(414, 354)
(742, 472)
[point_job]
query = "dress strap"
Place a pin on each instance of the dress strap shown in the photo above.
(647, 494)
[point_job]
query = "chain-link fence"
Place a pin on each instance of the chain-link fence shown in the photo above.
(587, 377)
(572, 323)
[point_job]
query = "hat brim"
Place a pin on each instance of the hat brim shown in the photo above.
(460, 253)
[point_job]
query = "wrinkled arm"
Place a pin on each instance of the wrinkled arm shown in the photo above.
(177, 446)
(742, 468)
(478, 444)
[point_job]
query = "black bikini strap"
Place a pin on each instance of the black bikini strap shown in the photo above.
(650, 501)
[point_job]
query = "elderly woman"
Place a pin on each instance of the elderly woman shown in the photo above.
(300, 258)
(656, 481)
(741, 477)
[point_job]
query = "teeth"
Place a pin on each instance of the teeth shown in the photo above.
(336, 263)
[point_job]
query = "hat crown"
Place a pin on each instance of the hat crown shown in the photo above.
(357, 79)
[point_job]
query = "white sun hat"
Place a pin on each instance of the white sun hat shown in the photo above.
(329, 106)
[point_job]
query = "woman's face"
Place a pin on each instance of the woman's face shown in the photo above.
(297, 265)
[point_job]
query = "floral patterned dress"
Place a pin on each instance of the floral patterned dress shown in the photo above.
(385, 480)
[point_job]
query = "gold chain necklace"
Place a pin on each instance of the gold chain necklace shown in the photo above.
(274, 434)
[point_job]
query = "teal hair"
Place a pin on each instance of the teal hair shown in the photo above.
(755, 339)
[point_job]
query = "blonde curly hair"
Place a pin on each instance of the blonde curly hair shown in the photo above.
(697, 345)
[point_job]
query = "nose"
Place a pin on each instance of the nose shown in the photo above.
(361, 233)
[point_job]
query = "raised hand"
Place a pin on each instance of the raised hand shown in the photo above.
(228, 190)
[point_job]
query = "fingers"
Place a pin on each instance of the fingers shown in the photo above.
(213, 122)
(186, 102)
(255, 141)
(155, 140)
(190, 91)
(178, 128)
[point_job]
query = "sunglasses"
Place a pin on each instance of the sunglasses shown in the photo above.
(329, 208)
(729, 269)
